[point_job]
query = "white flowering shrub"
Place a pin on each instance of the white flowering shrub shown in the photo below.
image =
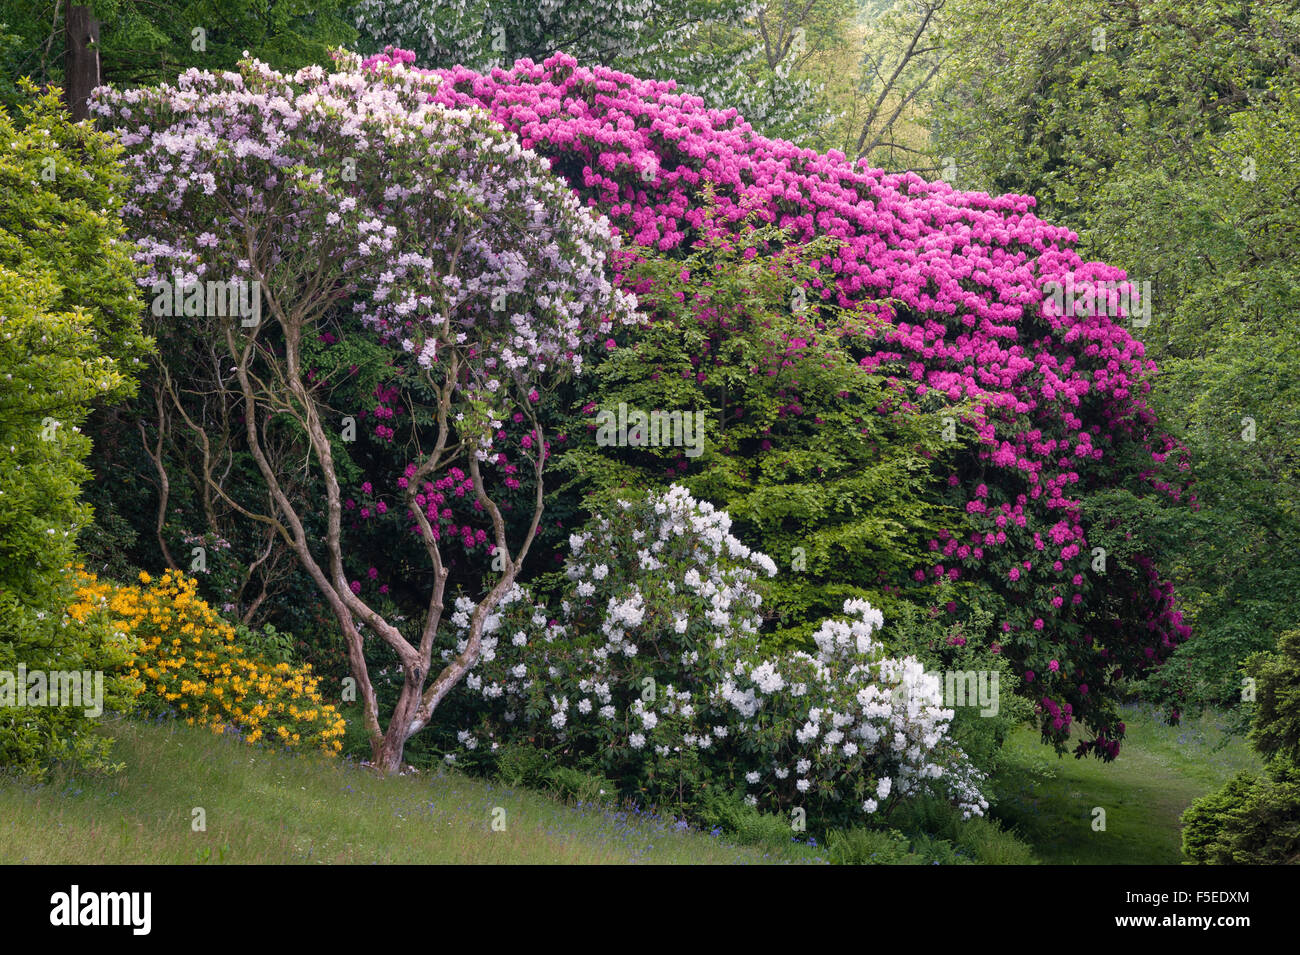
(654, 674)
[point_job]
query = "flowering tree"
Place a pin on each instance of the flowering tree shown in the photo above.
(656, 672)
(1055, 383)
(458, 269)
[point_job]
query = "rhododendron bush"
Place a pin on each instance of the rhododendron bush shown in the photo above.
(405, 252)
(654, 671)
(1056, 392)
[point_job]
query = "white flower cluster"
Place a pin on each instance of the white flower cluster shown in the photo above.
(861, 705)
(671, 662)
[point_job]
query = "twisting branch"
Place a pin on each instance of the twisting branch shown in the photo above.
(164, 484)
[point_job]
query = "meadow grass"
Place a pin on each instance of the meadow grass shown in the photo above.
(1161, 770)
(266, 806)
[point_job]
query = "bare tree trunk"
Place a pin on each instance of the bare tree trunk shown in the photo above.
(416, 702)
(387, 752)
(82, 33)
(164, 484)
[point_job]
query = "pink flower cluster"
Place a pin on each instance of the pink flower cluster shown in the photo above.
(436, 499)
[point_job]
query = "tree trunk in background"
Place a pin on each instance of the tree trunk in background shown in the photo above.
(82, 33)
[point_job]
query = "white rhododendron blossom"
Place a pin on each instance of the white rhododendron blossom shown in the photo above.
(676, 661)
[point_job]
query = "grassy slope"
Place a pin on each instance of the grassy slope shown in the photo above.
(1159, 772)
(268, 807)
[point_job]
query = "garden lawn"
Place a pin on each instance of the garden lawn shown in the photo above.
(1160, 771)
(264, 806)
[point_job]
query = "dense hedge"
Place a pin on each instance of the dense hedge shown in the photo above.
(69, 336)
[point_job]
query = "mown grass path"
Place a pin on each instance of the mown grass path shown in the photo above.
(1160, 771)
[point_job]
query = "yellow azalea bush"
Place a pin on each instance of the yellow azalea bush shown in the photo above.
(187, 661)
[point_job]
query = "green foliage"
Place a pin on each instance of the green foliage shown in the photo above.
(1276, 727)
(531, 766)
(939, 832)
(518, 765)
(267, 644)
(971, 842)
(1094, 91)
(1231, 384)
(59, 221)
(69, 329)
(1254, 820)
(880, 84)
(770, 61)
(725, 810)
(793, 447)
(1206, 671)
(964, 647)
(869, 847)
(574, 784)
(105, 543)
(990, 844)
(142, 42)
(1164, 133)
(34, 737)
